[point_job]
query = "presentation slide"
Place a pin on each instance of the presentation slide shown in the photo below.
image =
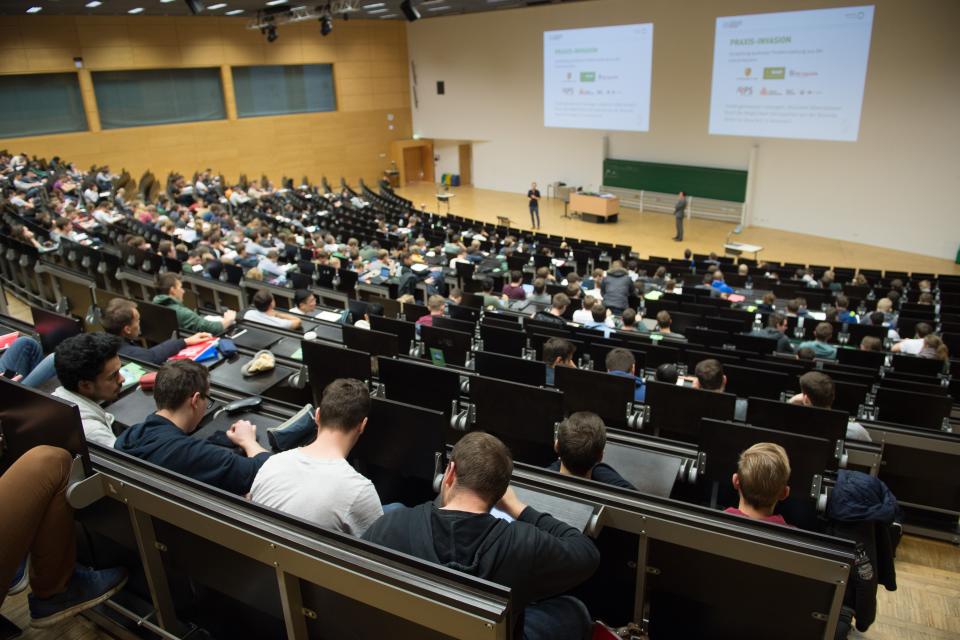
(798, 74)
(598, 78)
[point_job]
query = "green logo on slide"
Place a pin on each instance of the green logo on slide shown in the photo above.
(774, 73)
(588, 76)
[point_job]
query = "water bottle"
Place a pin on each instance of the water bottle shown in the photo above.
(757, 322)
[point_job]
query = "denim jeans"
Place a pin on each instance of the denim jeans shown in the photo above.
(25, 357)
(560, 618)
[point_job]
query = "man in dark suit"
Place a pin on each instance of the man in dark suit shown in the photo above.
(678, 211)
(534, 196)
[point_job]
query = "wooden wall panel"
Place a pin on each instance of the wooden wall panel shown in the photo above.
(370, 73)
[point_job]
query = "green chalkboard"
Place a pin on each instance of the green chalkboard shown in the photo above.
(704, 182)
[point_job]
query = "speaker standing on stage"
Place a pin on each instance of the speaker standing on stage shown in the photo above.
(534, 196)
(678, 212)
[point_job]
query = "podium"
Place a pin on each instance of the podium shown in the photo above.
(595, 208)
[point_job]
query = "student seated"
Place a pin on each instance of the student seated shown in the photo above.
(558, 352)
(768, 303)
(537, 556)
(584, 314)
(631, 323)
(170, 294)
(37, 520)
(776, 329)
(871, 343)
(373, 309)
(667, 372)
(664, 322)
(821, 349)
(122, 319)
(490, 299)
(181, 393)
(304, 303)
(514, 290)
(436, 305)
(620, 362)
(914, 346)
(539, 293)
(315, 482)
(934, 349)
(554, 315)
(580, 441)
(265, 312)
(599, 315)
(709, 376)
(817, 390)
(763, 472)
(88, 369)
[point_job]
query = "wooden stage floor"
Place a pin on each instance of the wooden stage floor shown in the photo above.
(651, 233)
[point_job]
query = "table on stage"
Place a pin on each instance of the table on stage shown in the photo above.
(738, 248)
(444, 197)
(595, 208)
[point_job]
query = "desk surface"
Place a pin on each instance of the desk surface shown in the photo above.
(651, 473)
(229, 376)
(576, 514)
(738, 246)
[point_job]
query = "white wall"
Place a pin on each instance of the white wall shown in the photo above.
(894, 187)
(449, 153)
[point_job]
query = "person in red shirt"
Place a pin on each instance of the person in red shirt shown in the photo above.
(436, 305)
(763, 472)
(514, 290)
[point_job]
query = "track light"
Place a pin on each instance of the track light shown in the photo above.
(271, 33)
(326, 25)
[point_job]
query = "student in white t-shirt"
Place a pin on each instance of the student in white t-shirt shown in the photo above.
(914, 345)
(265, 312)
(584, 315)
(316, 483)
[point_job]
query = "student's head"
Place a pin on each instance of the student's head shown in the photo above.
(842, 302)
(664, 320)
(817, 389)
(925, 286)
(667, 372)
(687, 254)
(709, 375)
(88, 364)
(871, 343)
(925, 298)
(263, 300)
(374, 309)
(516, 278)
(344, 407)
(884, 305)
(777, 321)
(456, 296)
(560, 303)
(122, 318)
(436, 304)
(588, 303)
(823, 332)
(169, 284)
(793, 306)
(763, 472)
(877, 318)
(558, 352)
(894, 296)
(629, 317)
(305, 300)
(539, 286)
(573, 290)
(183, 387)
(923, 329)
(933, 347)
(769, 299)
(621, 360)
(599, 313)
(743, 270)
(580, 442)
(480, 464)
(806, 353)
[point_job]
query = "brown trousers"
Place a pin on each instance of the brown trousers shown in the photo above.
(36, 519)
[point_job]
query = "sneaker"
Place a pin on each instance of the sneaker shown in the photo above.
(294, 432)
(86, 589)
(20, 580)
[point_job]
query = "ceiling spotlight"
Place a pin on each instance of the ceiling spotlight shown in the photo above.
(326, 25)
(271, 33)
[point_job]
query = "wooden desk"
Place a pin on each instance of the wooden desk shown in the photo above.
(595, 208)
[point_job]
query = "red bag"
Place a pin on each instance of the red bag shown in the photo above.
(148, 381)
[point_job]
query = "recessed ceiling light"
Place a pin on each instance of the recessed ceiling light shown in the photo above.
(384, 10)
(374, 5)
(34, 9)
(93, 4)
(443, 8)
(219, 5)
(136, 10)
(166, 1)
(272, 3)
(233, 12)
(389, 15)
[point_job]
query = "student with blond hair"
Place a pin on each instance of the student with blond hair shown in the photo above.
(761, 479)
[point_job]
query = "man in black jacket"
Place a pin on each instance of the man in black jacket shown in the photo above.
(580, 441)
(537, 556)
(554, 315)
(122, 319)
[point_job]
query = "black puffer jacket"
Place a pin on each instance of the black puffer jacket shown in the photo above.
(862, 509)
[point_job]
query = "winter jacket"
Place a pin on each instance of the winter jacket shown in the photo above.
(616, 288)
(862, 509)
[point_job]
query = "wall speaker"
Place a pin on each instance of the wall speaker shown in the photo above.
(409, 11)
(195, 6)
